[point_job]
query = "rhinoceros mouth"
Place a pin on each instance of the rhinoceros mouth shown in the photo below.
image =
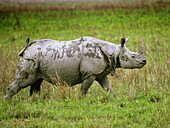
(142, 63)
(139, 65)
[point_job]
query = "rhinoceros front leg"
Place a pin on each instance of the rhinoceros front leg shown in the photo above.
(87, 83)
(105, 83)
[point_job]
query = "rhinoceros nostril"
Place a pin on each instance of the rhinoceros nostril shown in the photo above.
(144, 61)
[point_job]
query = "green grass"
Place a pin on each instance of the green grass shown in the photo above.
(142, 96)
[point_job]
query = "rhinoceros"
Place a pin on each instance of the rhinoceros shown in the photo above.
(82, 60)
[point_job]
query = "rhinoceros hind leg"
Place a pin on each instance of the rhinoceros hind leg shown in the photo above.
(26, 75)
(12, 89)
(35, 87)
(18, 84)
(86, 84)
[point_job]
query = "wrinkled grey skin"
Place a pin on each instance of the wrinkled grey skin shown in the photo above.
(77, 61)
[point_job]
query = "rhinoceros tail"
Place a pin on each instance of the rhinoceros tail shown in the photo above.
(26, 45)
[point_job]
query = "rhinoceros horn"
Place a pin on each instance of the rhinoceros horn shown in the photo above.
(141, 49)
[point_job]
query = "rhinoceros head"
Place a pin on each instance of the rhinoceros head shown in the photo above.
(129, 59)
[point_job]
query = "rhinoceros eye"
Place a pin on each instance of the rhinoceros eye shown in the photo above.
(122, 58)
(133, 56)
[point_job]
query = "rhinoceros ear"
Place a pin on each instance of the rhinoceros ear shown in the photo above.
(123, 41)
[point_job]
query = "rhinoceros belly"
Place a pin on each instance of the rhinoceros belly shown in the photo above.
(68, 70)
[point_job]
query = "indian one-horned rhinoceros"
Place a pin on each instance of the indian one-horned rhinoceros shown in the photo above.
(77, 61)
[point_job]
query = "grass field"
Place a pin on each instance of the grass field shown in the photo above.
(142, 96)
